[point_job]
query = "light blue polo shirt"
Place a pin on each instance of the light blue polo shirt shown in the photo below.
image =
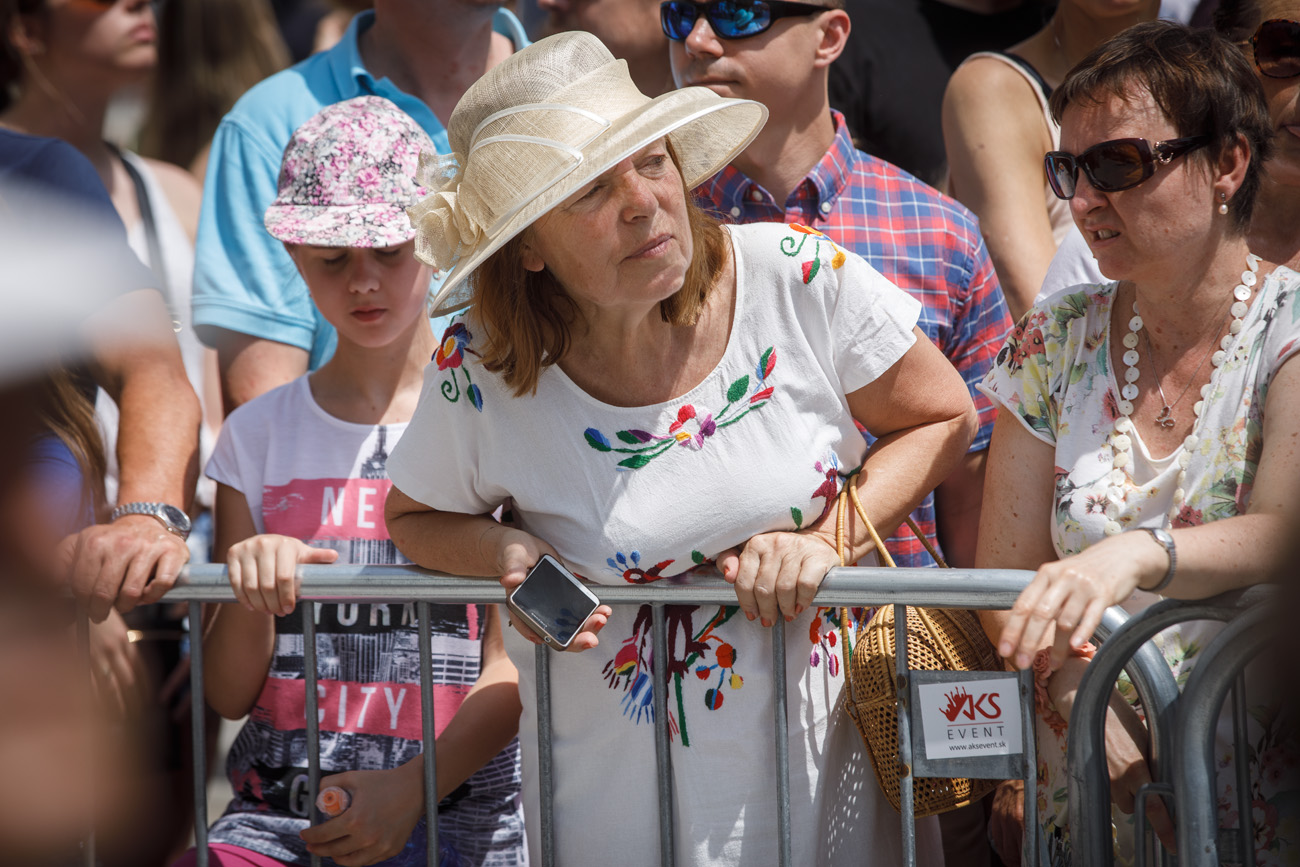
(244, 280)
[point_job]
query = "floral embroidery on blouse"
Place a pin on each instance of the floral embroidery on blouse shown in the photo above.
(701, 654)
(450, 356)
(791, 246)
(693, 427)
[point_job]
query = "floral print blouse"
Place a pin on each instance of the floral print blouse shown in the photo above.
(1055, 376)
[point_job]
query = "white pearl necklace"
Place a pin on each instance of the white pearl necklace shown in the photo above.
(1121, 440)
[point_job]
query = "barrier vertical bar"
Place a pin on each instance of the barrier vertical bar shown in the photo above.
(545, 770)
(1029, 845)
(198, 734)
(429, 732)
(83, 654)
(1245, 808)
(905, 794)
(781, 727)
(313, 712)
(663, 758)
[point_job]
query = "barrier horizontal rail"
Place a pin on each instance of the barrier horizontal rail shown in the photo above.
(994, 589)
(843, 586)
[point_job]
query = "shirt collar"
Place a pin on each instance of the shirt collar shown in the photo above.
(829, 177)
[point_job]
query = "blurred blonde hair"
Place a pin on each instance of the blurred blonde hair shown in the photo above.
(209, 53)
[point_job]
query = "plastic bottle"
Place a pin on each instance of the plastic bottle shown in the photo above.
(333, 800)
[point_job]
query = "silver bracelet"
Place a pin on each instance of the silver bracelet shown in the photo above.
(1167, 542)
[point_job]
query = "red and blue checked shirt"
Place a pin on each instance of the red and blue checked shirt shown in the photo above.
(920, 239)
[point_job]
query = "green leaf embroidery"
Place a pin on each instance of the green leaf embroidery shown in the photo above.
(697, 558)
(798, 517)
(636, 462)
(738, 389)
(626, 436)
(596, 442)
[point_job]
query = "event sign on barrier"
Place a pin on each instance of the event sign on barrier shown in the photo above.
(972, 723)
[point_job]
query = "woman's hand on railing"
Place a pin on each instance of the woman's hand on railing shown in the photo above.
(385, 807)
(263, 571)
(518, 553)
(120, 678)
(777, 574)
(1074, 593)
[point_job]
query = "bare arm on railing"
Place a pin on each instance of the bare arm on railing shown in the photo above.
(1212, 558)
(475, 545)
(921, 413)
(1015, 534)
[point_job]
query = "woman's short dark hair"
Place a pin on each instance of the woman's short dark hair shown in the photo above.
(528, 317)
(1199, 80)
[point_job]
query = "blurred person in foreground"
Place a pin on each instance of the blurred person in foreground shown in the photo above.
(250, 303)
(655, 393)
(69, 316)
(804, 168)
(1147, 441)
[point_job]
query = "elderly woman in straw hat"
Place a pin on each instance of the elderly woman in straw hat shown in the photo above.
(655, 393)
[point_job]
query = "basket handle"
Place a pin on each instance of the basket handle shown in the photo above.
(849, 492)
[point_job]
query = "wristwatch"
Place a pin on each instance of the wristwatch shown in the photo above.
(1167, 542)
(174, 519)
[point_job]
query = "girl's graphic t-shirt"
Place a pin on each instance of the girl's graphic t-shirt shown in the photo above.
(317, 478)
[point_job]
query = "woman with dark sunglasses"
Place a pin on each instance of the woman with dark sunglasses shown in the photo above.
(1145, 446)
(996, 127)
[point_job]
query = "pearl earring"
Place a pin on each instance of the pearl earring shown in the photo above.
(1223, 203)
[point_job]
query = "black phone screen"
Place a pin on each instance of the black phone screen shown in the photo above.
(555, 600)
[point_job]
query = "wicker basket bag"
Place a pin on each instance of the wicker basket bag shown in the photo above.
(937, 640)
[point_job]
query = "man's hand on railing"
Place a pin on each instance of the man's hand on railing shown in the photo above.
(264, 571)
(132, 561)
(776, 575)
(386, 805)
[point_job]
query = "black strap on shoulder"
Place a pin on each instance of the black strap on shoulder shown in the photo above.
(156, 263)
(1028, 67)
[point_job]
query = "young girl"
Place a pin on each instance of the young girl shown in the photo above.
(304, 467)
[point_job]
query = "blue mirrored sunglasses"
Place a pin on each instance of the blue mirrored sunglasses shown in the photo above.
(730, 19)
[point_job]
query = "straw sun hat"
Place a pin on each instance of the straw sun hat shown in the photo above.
(537, 128)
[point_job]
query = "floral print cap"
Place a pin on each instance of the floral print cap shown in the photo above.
(348, 175)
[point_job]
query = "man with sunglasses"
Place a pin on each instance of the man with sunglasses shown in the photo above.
(250, 304)
(803, 168)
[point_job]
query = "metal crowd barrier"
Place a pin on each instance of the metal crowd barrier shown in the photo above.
(856, 587)
(1181, 728)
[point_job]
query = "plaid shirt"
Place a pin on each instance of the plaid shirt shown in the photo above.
(917, 237)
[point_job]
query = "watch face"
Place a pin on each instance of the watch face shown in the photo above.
(177, 517)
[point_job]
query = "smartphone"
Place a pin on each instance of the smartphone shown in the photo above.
(552, 602)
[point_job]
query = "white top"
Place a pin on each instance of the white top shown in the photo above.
(1073, 265)
(178, 268)
(314, 477)
(635, 494)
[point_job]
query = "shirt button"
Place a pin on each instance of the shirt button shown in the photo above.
(735, 212)
(826, 207)
(756, 195)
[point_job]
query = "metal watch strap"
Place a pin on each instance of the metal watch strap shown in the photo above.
(1166, 541)
(153, 510)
